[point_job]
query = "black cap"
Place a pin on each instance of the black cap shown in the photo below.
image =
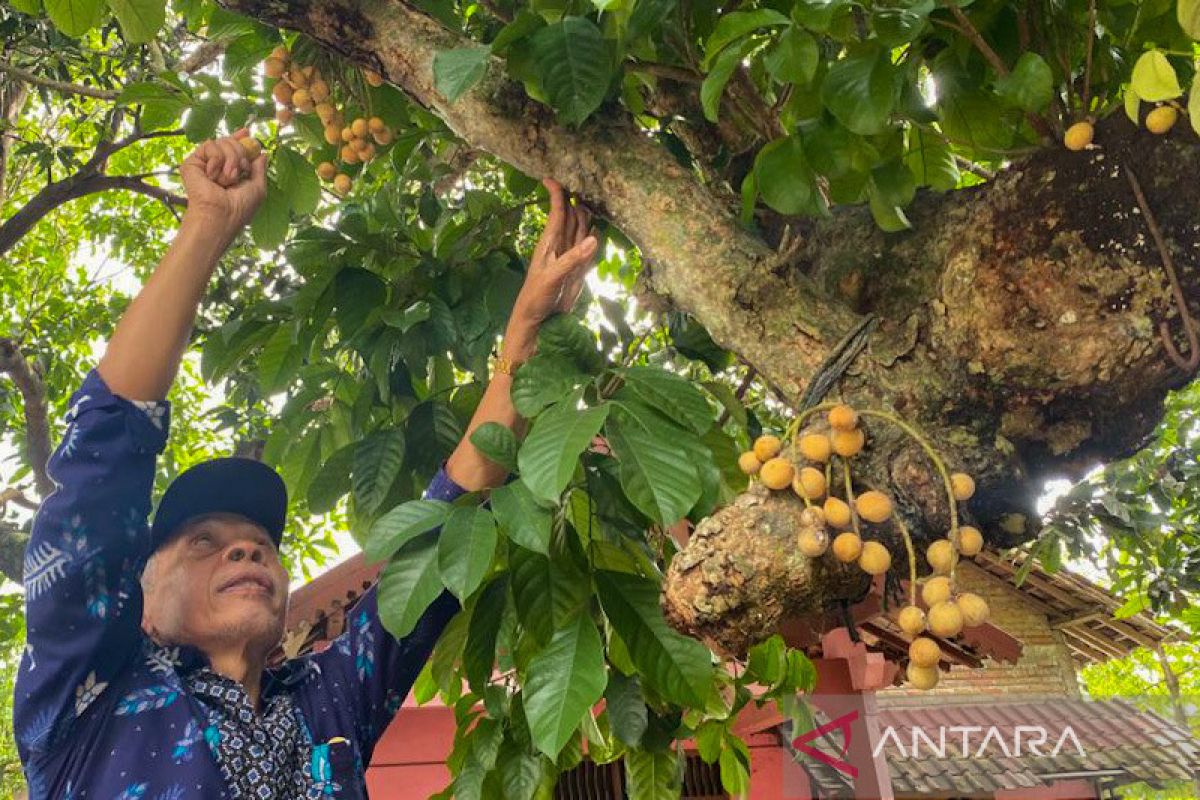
(233, 485)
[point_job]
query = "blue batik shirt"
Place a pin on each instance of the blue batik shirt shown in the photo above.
(100, 711)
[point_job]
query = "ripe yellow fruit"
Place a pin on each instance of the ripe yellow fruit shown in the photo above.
(924, 652)
(749, 463)
(974, 609)
(1161, 119)
(837, 513)
(341, 184)
(359, 128)
(777, 473)
(297, 78)
(962, 486)
(1079, 135)
(810, 482)
(361, 145)
(367, 153)
(372, 77)
(319, 90)
(945, 619)
(843, 418)
(936, 590)
(848, 443)
(940, 556)
(325, 113)
(281, 53)
(310, 72)
(767, 447)
(873, 506)
(333, 135)
(274, 67)
(816, 447)
(349, 154)
(326, 170)
(911, 620)
(252, 147)
(847, 547)
(813, 542)
(875, 559)
(303, 101)
(282, 93)
(375, 124)
(384, 137)
(923, 678)
(347, 134)
(283, 115)
(812, 517)
(970, 541)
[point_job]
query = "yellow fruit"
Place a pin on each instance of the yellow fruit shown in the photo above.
(962, 486)
(873, 506)
(297, 78)
(372, 77)
(848, 443)
(970, 541)
(361, 145)
(384, 137)
(375, 124)
(815, 447)
(767, 447)
(283, 115)
(945, 619)
(326, 171)
(749, 463)
(319, 90)
(274, 67)
(280, 53)
(333, 135)
(359, 127)
(347, 134)
(367, 153)
(936, 590)
(303, 101)
(310, 72)
(974, 609)
(777, 473)
(282, 93)
(349, 154)
(325, 113)
(940, 556)
(843, 418)
(809, 482)
(875, 558)
(847, 547)
(341, 184)
(1079, 135)
(837, 513)
(251, 146)
(1161, 119)
(911, 620)
(923, 678)
(813, 542)
(924, 652)
(812, 517)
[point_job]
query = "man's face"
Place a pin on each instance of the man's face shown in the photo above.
(218, 585)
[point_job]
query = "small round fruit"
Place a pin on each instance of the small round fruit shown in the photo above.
(361, 145)
(349, 154)
(1079, 135)
(843, 418)
(812, 517)
(319, 90)
(384, 137)
(945, 619)
(310, 72)
(837, 513)
(848, 443)
(297, 78)
(816, 447)
(974, 609)
(875, 558)
(911, 620)
(936, 590)
(777, 473)
(924, 652)
(1161, 119)
(359, 128)
(281, 53)
(372, 77)
(873, 506)
(303, 101)
(375, 124)
(326, 170)
(282, 93)
(333, 135)
(962, 486)
(940, 556)
(341, 184)
(970, 541)
(347, 134)
(923, 678)
(367, 153)
(274, 67)
(749, 463)
(251, 145)
(325, 113)
(810, 482)
(813, 542)
(847, 547)
(283, 115)
(767, 447)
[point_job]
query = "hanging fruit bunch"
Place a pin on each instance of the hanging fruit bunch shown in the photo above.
(819, 470)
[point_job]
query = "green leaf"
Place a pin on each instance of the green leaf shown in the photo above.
(550, 452)
(280, 358)
(657, 475)
(861, 90)
(465, 550)
(523, 520)
(897, 25)
(566, 335)
(409, 584)
(794, 58)
(671, 394)
(735, 777)
(563, 682)
(297, 180)
(1133, 106)
(456, 71)
(543, 380)
(32, 8)
(332, 481)
(1030, 85)
(647, 15)
(402, 524)
(677, 667)
(546, 592)
(574, 65)
(75, 17)
(270, 224)
(140, 19)
(377, 462)
(497, 442)
(930, 160)
(894, 182)
(1154, 78)
(888, 216)
(709, 739)
(479, 653)
(356, 292)
(1193, 106)
(652, 775)
(713, 86)
(1188, 14)
(202, 120)
(737, 24)
(626, 708)
(784, 178)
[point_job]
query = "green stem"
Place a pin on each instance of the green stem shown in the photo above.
(794, 427)
(850, 497)
(912, 558)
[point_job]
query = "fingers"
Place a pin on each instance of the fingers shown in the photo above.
(224, 161)
(552, 236)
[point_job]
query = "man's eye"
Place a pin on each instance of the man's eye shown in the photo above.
(203, 538)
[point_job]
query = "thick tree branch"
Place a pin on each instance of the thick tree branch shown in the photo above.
(37, 425)
(12, 551)
(12, 100)
(57, 86)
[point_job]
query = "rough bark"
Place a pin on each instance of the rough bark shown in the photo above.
(37, 424)
(12, 551)
(12, 99)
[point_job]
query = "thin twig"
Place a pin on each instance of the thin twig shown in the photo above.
(57, 86)
(1087, 70)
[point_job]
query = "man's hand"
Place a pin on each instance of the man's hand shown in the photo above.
(224, 185)
(561, 260)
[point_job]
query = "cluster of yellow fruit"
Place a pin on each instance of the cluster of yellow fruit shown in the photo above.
(302, 90)
(1160, 120)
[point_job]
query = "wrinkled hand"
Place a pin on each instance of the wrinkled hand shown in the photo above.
(223, 183)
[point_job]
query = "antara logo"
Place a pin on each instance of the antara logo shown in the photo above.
(992, 741)
(842, 723)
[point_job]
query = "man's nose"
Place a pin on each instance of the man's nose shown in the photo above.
(241, 551)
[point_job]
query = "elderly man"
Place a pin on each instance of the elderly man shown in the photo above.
(160, 691)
